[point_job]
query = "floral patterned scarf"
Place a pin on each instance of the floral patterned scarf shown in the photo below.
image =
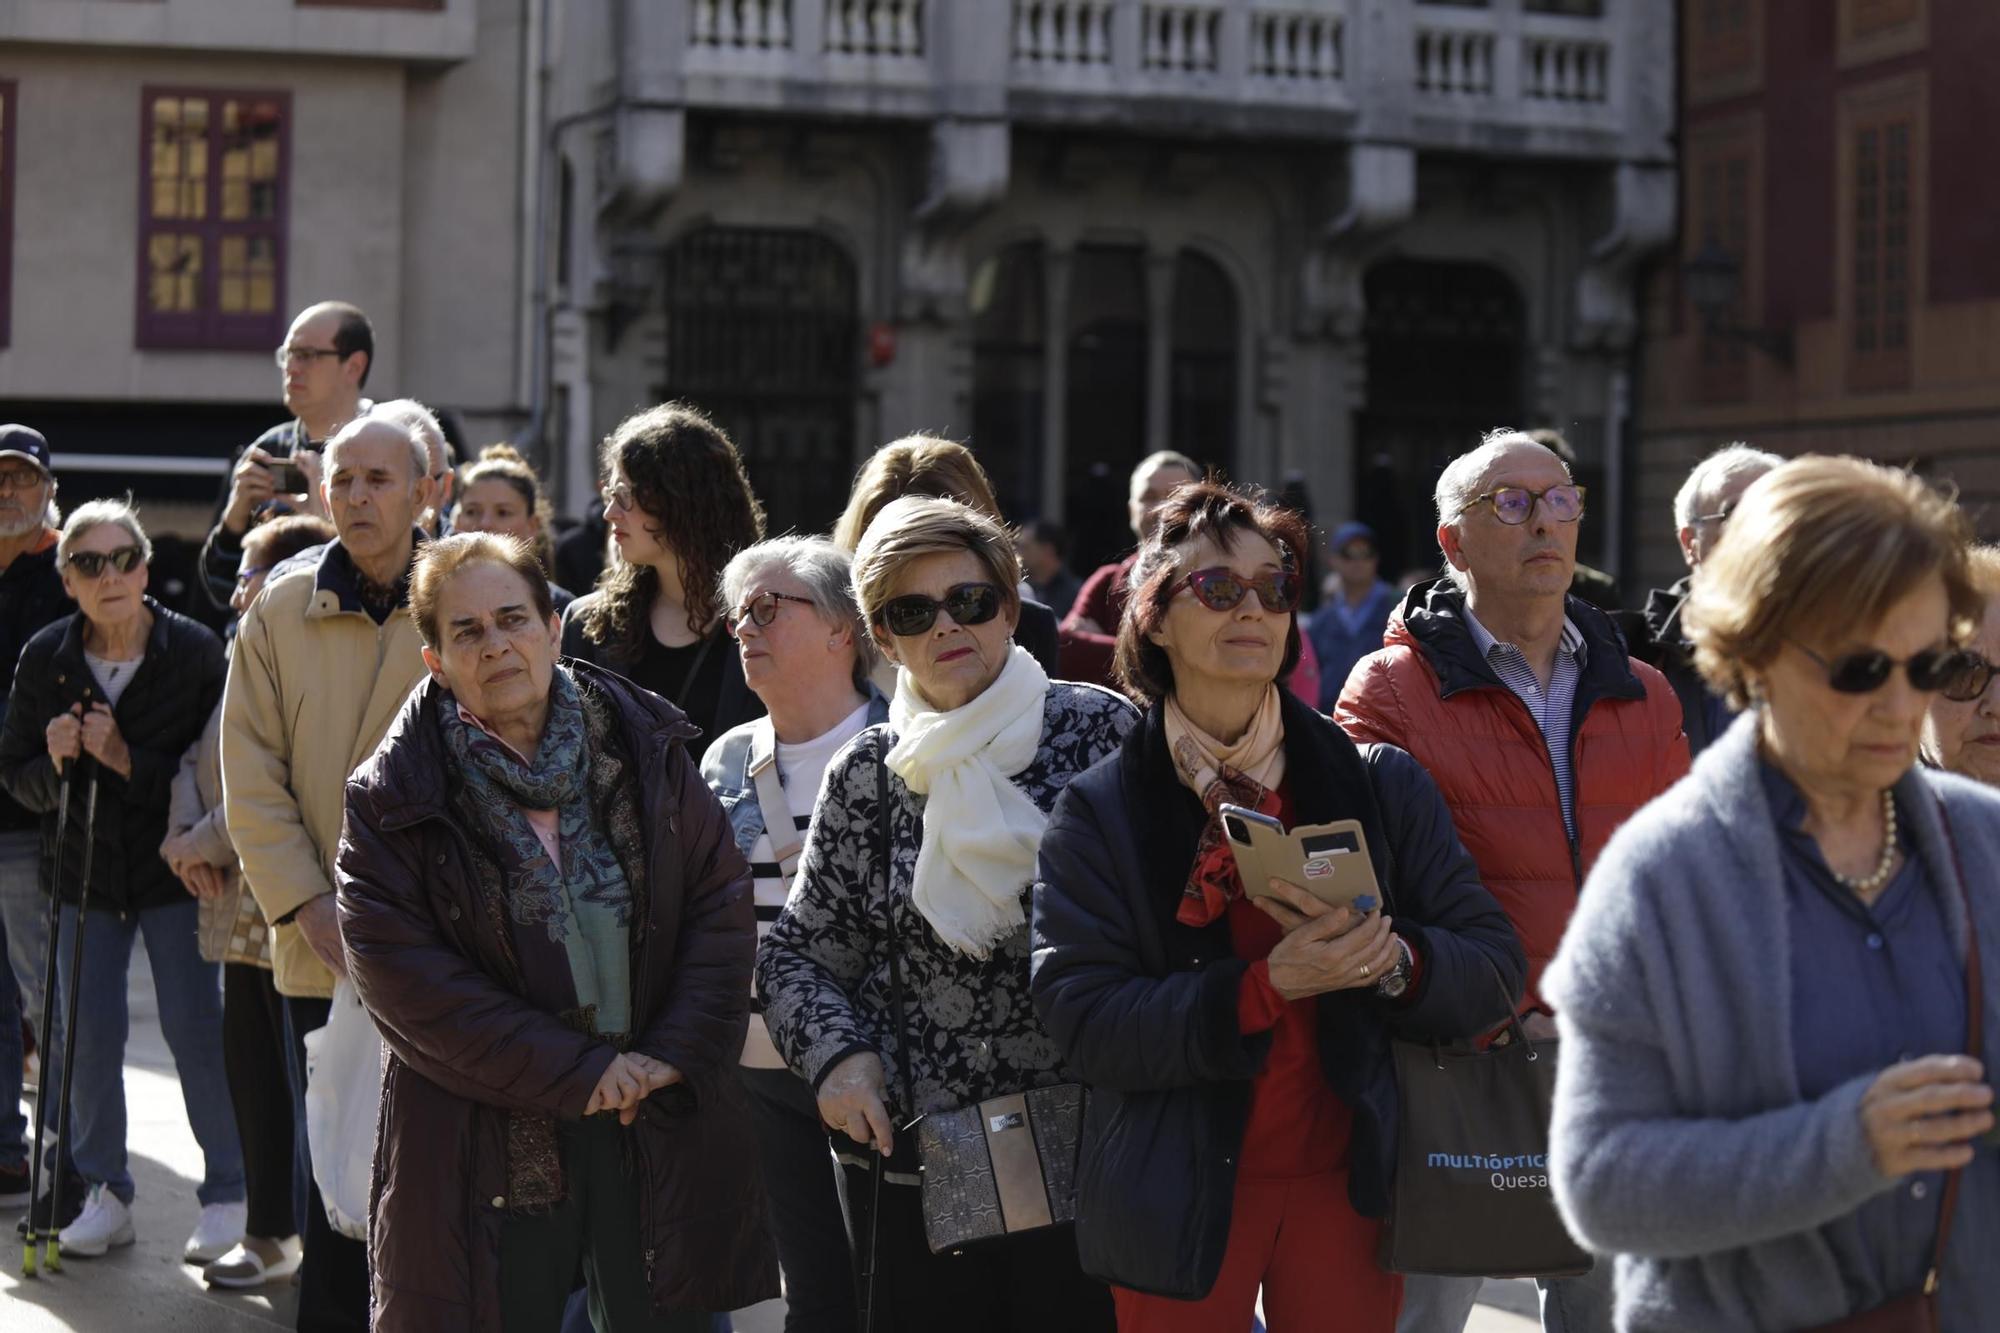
(1246, 773)
(585, 903)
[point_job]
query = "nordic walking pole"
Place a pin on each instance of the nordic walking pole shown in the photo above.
(52, 1243)
(50, 998)
(874, 1239)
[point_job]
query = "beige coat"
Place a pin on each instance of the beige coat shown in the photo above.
(311, 693)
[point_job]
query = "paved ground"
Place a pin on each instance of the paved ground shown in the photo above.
(148, 1288)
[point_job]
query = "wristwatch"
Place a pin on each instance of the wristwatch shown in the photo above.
(1397, 979)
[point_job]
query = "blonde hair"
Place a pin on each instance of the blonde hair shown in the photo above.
(914, 465)
(919, 525)
(1817, 546)
(1984, 560)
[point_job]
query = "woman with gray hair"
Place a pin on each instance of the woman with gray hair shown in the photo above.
(895, 981)
(113, 695)
(789, 603)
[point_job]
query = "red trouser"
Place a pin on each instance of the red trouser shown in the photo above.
(1303, 1243)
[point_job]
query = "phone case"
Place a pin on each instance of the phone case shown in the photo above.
(1329, 861)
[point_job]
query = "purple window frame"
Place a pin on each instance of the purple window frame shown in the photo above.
(9, 112)
(208, 329)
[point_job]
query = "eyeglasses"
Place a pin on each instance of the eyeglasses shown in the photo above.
(621, 496)
(21, 478)
(761, 610)
(1719, 516)
(287, 357)
(1514, 505)
(1953, 672)
(967, 604)
(91, 564)
(245, 576)
(1222, 590)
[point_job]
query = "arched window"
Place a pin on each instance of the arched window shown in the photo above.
(1008, 302)
(1202, 406)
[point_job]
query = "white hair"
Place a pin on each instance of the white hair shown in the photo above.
(421, 422)
(95, 514)
(825, 568)
(1159, 459)
(420, 458)
(1460, 482)
(1711, 474)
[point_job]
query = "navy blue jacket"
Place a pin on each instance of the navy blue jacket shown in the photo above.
(1145, 1008)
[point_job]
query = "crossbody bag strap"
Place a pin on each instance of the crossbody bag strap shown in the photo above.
(1975, 1042)
(900, 1021)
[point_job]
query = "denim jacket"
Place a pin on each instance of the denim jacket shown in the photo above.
(727, 766)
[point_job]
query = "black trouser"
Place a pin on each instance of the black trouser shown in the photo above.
(333, 1276)
(253, 1054)
(798, 1169)
(595, 1227)
(1030, 1283)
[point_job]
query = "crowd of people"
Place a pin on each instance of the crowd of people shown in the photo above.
(870, 917)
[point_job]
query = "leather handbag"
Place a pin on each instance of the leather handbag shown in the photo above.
(996, 1168)
(1917, 1311)
(1472, 1196)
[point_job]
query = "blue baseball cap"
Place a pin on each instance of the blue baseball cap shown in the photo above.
(25, 442)
(1353, 531)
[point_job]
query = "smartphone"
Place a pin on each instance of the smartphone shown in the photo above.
(1329, 861)
(291, 480)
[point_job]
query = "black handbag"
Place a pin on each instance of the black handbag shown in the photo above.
(1472, 1195)
(996, 1168)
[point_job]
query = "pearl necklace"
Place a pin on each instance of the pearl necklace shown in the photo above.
(1865, 887)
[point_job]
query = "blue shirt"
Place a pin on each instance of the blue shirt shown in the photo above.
(1554, 709)
(1873, 985)
(1342, 635)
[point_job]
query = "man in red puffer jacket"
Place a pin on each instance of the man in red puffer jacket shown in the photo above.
(1543, 735)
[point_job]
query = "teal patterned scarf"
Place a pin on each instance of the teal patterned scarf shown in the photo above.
(585, 904)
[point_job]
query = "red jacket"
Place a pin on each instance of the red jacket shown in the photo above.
(1429, 691)
(1087, 654)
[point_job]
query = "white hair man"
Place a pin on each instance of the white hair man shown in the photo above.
(1701, 511)
(1090, 630)
(324, 659)
(423, 423)
(1539, 730)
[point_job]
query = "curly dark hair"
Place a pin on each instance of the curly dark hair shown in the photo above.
(687, 477)
(1201, 509)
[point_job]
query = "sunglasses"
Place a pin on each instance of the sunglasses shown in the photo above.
(967, 604)
(91, 564)
(760, 610)
(1223, 590)
(1514, 505)
(1956, 674)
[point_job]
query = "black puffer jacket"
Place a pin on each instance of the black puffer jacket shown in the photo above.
(31, 596)
(1145, 1008)
(160, 714)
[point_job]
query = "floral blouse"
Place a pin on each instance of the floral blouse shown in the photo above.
(823, 972)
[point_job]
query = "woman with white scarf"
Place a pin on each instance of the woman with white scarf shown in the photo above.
(978, 746)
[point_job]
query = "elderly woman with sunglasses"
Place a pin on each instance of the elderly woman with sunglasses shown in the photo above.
(807, 655)
(1962, 732)
(1235, 1036)
(895, 981)
(1774, 1106)
(111, 697)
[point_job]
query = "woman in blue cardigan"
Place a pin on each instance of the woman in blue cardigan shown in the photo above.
(1767, 1108)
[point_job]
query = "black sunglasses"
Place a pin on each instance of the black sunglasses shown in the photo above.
(967, 604)
(91, 564)
(1956, 674)
(760, 610)
(1224, 590)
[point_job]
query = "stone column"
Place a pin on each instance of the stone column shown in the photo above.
(1159, 349)
(1055, 378)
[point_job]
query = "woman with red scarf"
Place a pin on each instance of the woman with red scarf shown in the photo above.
(1241, 1130)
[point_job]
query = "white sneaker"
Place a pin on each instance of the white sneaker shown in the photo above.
(218, 1232)
(244, 1267)
(103, 1223)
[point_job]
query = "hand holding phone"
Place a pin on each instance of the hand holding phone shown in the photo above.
(1329, 861)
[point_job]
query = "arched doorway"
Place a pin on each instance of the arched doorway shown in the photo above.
(1446, 345)
(762, 335)
(1008, 301)
(1105, 413)
(1202, 411)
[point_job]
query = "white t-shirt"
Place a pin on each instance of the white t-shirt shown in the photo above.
(112, 677)
(800, 768)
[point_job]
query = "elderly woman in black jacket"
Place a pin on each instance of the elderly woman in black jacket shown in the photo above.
(1236, 1038)
(113, 695)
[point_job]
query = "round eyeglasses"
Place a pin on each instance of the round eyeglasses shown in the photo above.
(1514, 505)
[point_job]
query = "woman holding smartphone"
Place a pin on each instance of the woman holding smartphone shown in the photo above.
(1775, 1081)
(1236, 1037)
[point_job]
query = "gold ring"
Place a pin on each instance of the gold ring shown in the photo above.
(1364, 969)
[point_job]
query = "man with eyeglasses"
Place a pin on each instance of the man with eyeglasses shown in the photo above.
(1543, 735)
(31, 596)
(1701, 507)
(325, 360)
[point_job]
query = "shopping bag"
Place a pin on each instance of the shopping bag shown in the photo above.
(343, 1098)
